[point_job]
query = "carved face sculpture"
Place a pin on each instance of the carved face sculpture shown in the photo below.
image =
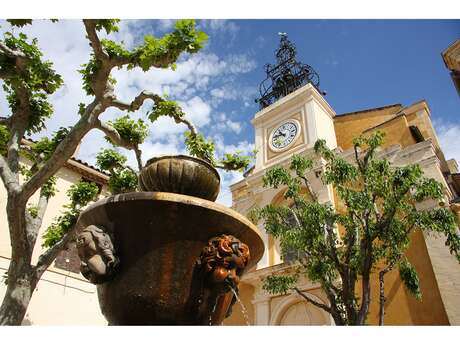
(96, 253)
(225, 258)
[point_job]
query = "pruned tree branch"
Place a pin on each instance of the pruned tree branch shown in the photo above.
(11, 53)
(358, 161)
(64, 150)
(115, 137)
(90, 26)
(113, 134)
(382, 291)
(137, 102)
(307, 183)
(138, 153)
(312, 301)
(48, 257)
(8, 177)
(365, 283)
(34, 223)
(19, 121)
(5, 74)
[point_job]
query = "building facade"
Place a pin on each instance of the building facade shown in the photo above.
(62, 296)
(304, 116)
(451, 57)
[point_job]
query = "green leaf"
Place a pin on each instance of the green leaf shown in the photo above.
(123, 180)
(410, 279)
(82, 193)
(279, 284)
(19, 22)
(109, 159)
(45, 146)
(29, 86)
(4, 138)
(199, 147)
(164, 52)
(60, 226)
(235, 161)
(132, 131)
(109, 25)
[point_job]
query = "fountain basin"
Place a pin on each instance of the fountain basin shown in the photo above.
(180, 174)
(158, 238)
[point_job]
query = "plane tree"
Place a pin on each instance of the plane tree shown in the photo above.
(28, 81)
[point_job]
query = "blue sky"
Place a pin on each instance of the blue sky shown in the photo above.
(361, 63)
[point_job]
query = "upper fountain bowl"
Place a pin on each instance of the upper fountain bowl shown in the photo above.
(182, 175)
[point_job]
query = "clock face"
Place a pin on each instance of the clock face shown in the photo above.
(284, 135)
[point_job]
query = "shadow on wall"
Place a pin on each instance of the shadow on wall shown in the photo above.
(26, 321)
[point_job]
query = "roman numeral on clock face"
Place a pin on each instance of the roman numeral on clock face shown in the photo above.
(284, 135)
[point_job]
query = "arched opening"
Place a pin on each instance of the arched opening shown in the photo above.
(294, 310)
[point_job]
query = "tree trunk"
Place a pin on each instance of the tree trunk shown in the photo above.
(382, 297)
(362, 315)
(21, 285)
(382, 292)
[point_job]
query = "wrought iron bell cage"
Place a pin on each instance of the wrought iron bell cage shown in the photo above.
(286, 76)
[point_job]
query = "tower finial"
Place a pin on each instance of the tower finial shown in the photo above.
(286, 76)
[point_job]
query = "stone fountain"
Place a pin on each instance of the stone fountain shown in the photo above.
(168, 255)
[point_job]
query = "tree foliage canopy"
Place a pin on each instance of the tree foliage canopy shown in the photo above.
(370, 232)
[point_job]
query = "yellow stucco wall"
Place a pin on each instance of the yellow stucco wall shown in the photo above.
(401, 307)
(350, 126)
(237, 318)
(61, 297)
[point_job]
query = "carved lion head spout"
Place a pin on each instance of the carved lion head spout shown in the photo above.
(219, 267)
(224, 259)
(97, 254)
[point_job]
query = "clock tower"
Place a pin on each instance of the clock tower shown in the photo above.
(293, 112)
(293, 115)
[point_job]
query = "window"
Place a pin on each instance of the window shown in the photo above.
(290, 255)
(68, 259)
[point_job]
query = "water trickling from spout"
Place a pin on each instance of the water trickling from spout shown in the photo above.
(243, 308)
(213, 310)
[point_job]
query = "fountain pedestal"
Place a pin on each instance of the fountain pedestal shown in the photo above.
(165, 258)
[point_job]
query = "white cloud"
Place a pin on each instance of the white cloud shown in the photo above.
(223, 123)
(204, 73)
(227, 179)
(244, 147)
(220, 27)
(166, 24)
(234, 126)
(197, 111)
(449, 138)
(224, 93)
(171, 145)
(232, 91)
(240, 63)
(194, 73)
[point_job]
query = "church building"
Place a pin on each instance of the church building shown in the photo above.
(293, 115)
